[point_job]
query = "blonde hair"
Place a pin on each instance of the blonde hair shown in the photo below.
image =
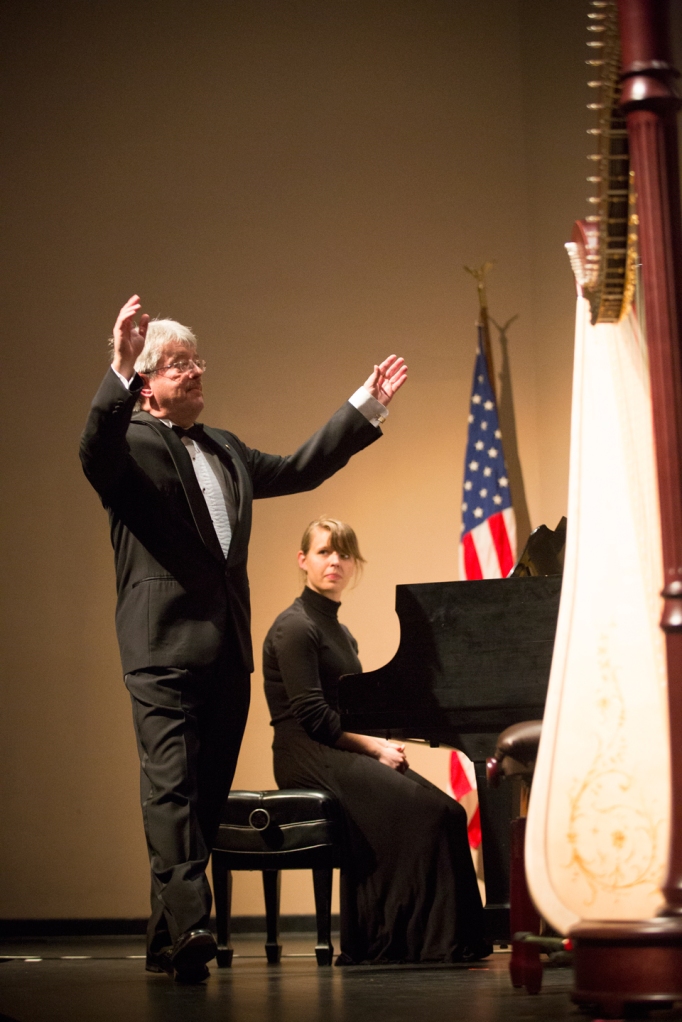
(341, 536)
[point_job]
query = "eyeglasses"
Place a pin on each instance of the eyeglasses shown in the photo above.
(178, 368)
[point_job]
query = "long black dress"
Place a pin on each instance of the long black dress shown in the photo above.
(408, 886)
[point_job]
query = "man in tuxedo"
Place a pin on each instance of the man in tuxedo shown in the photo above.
(179, 498)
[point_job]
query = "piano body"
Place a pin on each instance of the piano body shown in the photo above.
(474, 657)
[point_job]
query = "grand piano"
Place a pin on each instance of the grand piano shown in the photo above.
(474, 657)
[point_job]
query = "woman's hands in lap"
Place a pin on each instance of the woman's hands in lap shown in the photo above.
(393, 755)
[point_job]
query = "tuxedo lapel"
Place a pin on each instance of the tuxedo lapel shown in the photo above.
(185, 470)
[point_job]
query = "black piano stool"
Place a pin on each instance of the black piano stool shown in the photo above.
(272, 831)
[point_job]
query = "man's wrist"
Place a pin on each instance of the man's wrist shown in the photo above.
(125, 380)
(367, 405)
(123, 368)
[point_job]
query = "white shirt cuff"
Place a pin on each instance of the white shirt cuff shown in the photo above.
(373, 410)
(126, 383)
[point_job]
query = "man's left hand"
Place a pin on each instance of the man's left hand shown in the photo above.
(387, 379)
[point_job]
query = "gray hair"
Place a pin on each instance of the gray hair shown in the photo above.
(160, 332)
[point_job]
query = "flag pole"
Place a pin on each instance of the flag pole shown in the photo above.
(482, 323)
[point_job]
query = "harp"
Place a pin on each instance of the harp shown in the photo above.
(583, 886)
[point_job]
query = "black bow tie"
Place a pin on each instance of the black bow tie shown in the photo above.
(195, 432)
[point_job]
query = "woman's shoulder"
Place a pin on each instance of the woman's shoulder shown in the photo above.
(292, 623)
(349, 635)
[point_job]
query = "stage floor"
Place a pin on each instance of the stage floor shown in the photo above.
(102, 979)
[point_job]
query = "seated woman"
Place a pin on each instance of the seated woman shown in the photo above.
(408, 886)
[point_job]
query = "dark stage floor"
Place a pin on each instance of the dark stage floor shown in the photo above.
(102, 979)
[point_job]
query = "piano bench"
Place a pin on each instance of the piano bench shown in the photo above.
(271, 831)
(515, 755)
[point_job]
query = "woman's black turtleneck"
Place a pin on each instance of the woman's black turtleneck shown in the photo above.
(305, 653)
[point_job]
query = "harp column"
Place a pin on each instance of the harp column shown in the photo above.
(625, 962)
(651, 104)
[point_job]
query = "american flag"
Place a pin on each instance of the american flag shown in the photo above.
(487, 548)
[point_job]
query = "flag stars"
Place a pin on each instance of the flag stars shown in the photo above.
(476, 399)
(487, 471)
(478, 512)
(471, 419)
(465, 507)
(497, 499)
(492, 452)
(484, 425)
(479, 445)
(503, 481)
(488, 405)
(498, 435)
(483, 492)
(468, 484)
(473, 466)
(480, 379)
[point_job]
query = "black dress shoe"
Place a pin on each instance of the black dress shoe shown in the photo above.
(189, 955)
(195, 974)
(159, 961)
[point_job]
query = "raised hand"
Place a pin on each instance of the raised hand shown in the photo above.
(387, 379)
(129, 337)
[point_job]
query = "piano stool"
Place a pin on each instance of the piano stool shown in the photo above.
(271, 831)
(514, 758)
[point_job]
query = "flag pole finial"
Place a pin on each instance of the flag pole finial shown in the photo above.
(479, 275)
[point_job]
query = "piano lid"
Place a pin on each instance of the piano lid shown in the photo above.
(473, 657)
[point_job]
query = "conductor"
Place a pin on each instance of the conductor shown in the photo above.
(179, 495)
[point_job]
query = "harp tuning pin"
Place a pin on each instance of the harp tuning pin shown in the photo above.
(594, 84)
(594, 179)
(594, 156)
(594, 131)
(595, 44)
(596, 17)
(596, 28)
(595, 106)
(594, 63)
(593, 200)
(594, 218)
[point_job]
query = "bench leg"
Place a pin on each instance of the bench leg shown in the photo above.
(525, 966)
(222, 889)
(322, 884)
(271, 883)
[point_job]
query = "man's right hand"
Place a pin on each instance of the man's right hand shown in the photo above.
(129, 337)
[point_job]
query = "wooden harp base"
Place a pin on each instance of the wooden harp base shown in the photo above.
(619, 964)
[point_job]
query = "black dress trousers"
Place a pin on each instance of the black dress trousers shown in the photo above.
(189, 726)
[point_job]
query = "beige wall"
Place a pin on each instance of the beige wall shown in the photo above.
(301, 181)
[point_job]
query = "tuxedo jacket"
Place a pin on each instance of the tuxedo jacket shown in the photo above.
(179, 598)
